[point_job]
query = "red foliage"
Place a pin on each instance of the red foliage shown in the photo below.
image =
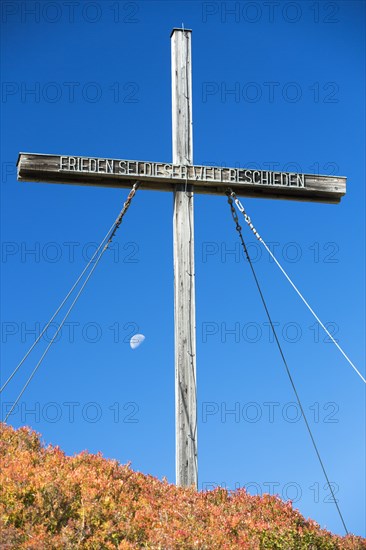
(51, 501)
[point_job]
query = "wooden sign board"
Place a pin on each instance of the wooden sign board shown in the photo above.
(161, 176)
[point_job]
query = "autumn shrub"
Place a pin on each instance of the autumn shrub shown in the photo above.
(51, 501)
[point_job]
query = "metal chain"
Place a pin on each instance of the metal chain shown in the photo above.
(117, 223)
(231, 198)
(231, 195)
(126, 206)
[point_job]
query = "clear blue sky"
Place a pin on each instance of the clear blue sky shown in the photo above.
(100, 75)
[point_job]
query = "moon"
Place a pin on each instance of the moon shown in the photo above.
(136, 340)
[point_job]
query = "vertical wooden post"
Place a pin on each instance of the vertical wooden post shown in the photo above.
(184, 275)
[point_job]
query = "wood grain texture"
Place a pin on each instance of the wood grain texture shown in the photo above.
(184, 274)
(46, 168)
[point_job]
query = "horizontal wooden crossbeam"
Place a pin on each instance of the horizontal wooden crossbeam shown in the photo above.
(159, 176)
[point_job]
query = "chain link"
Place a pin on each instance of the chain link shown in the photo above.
(230, 193)
(126, 206)
(233, 212)
(233, 198)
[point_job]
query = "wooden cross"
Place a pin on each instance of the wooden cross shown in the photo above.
(183, 179)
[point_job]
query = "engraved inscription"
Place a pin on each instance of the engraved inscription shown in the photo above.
(181, 173)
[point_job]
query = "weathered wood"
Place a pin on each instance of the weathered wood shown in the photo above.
(166, 176)
(184, 274)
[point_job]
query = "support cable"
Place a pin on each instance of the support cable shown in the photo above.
(230, 194)
(253, 229)
(109, 237)
(57, 311)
